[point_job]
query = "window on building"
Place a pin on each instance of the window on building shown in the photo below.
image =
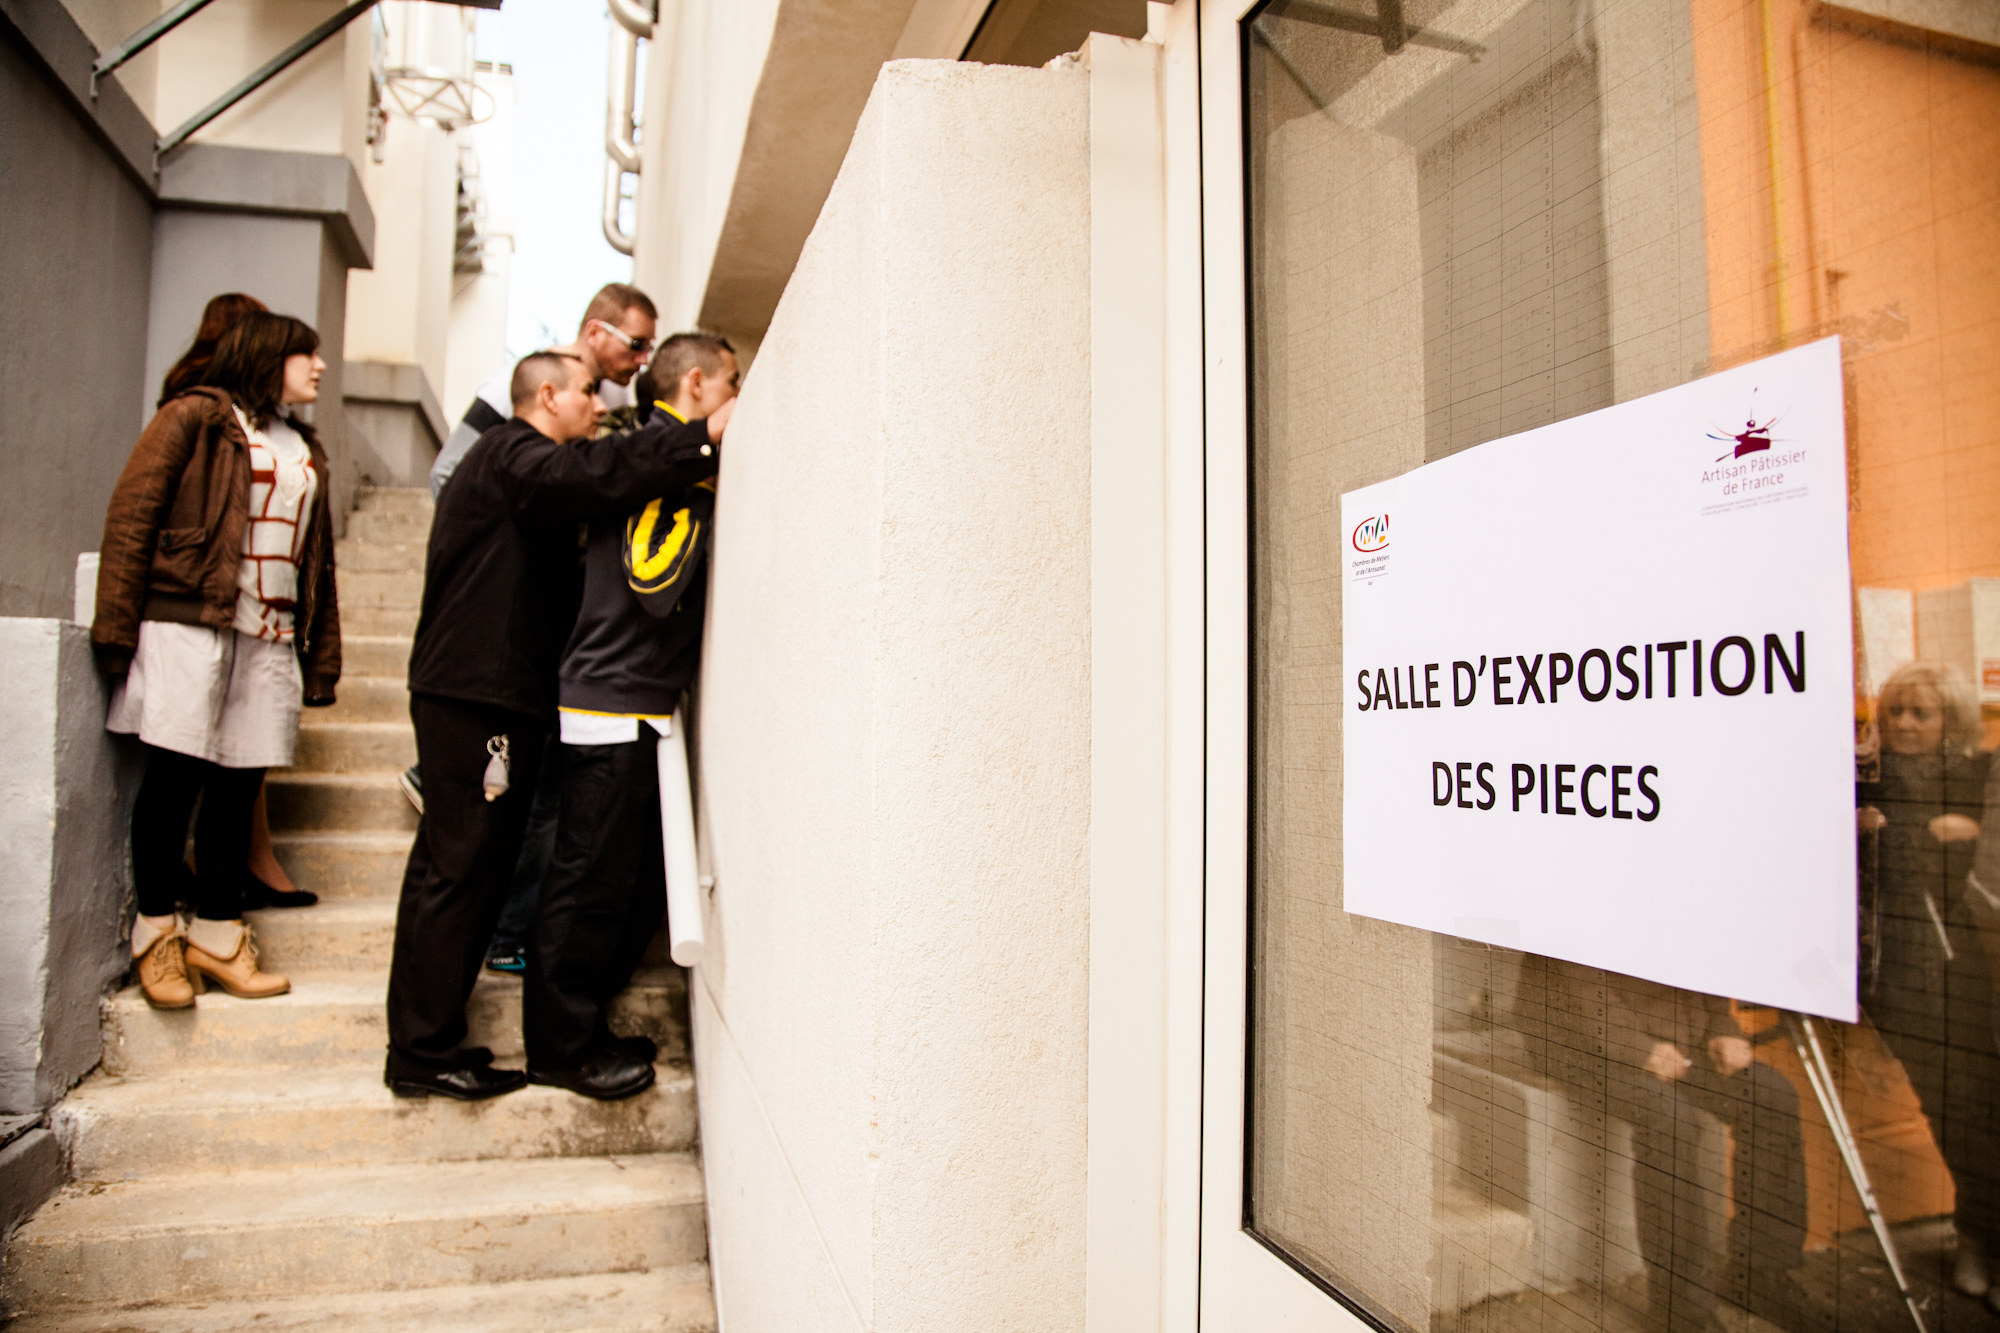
(1468, 218)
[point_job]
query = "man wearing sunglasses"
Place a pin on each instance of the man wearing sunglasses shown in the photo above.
(613, 341)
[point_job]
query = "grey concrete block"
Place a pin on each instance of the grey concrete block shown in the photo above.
(65, 797)
(269, 181)
(31, 1170)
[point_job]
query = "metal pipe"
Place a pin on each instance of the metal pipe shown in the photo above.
(685, 940)
(140, 40)
(634, 16)
(621, 142)
(621, 93)
(614, 231)
(263, 74)
(1819, 1074)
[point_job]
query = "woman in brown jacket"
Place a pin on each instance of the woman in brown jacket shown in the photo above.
(268, 884)
(215, 602)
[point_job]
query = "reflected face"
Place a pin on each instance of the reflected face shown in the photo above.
(1912, 720)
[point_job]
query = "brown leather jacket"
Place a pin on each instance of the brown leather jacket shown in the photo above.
(173, 539)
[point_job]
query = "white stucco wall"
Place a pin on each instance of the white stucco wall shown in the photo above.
(891, 1029)
(319, 105)
(761, 97)
(400, 310)
(476, 347)
(65, 799)
(702, 67)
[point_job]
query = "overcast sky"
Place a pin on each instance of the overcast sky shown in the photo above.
(558, 51)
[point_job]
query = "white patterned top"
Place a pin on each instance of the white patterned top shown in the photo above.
(282, 482)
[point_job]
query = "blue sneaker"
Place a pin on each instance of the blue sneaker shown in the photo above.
(511, 961)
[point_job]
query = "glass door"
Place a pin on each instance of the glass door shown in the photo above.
(1431, 224)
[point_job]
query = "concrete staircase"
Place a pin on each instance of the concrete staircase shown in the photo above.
(240, 1165)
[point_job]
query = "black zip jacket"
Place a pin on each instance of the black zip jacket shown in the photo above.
(501, 584)
(637, 641)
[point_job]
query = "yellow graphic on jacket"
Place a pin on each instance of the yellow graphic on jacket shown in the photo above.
(656, 558)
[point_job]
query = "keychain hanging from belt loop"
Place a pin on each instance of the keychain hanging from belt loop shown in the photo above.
(498, 769)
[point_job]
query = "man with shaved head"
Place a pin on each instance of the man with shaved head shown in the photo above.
(635, 649)
(500, 592)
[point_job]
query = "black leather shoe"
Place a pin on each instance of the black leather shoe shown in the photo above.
(465, 1085)
(643, 1049)
(607, 1076)
(257, 894)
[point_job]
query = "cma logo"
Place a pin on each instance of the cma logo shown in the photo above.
(1371, 534)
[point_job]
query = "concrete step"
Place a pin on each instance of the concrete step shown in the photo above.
(221, 1120)
(393, 500)
(384, 526)
(353, 747)
(361, 588)
(345, 802)
(304, 1231)
(345, 865)
(372, 655)
(376, 621)
(338, 1017)
(32, 1168)
(356, 935)
(337, 935)
(386, 557)
(366, 699)
(665, 1300)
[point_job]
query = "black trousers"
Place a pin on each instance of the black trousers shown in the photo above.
(1691, 1256)
(603, 899)
(538, 844)
(1957, 1083)
(160, 817)
(458, 874)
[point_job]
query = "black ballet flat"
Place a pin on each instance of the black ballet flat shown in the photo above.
(257, 894)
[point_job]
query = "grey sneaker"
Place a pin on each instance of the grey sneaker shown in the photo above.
(412, 783)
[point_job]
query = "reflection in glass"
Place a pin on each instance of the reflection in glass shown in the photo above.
(1471, 218)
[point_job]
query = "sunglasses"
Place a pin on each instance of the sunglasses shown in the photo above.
(639, 345)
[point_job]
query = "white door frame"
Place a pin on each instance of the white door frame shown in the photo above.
(1245, 1286)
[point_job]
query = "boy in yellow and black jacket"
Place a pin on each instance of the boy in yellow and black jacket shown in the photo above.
(634, 651)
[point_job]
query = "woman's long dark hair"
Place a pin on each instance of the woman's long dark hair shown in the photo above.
(249, 362)
(219, 317)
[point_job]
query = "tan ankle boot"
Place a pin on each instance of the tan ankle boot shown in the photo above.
(224, 952)
(163, 974)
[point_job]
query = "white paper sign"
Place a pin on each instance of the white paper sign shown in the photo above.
(1599, 690)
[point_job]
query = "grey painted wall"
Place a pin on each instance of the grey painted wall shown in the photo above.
(66, 788)
(200, 255)
(74, 283)
(295, 265)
